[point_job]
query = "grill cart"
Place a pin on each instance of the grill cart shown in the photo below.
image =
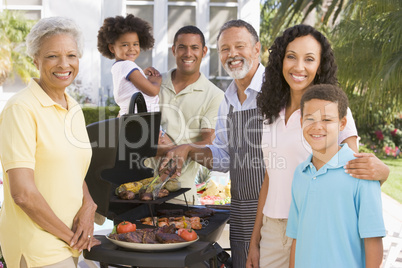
(120, 146)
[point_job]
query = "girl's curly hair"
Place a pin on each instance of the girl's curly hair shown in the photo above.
(275, 91)
(113, 28)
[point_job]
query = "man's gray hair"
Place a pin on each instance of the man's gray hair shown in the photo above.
(239, 24)
(49, 27)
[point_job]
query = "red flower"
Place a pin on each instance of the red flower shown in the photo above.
(387, 150)
(379, 135)
(393, 132)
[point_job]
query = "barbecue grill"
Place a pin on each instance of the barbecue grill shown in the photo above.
(120, 146)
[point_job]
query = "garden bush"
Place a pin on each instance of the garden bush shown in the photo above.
(381, 136)
(95, 114)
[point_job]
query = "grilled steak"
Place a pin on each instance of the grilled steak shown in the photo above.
(135, 237)
(200, 212)
(165, 238)
(149, 238)
(169, 212)
(167, 229)
(127, 195)
(146, 196)
(165, 234)
(163, 193)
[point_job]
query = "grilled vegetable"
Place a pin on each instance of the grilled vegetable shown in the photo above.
(201, 186)
(129, 186)
(126, 227)
(173, 185)
(146, 181)
(187, 234)
(133, 186)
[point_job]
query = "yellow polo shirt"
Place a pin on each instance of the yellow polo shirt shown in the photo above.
(37, 133)
(185, 114)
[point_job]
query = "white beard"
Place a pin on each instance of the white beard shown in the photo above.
(238, 73)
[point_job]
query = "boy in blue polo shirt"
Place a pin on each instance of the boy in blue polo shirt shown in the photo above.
(335, 220)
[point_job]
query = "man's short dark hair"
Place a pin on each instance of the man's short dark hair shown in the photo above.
(239, 24)
(326, 92)
(189, 29)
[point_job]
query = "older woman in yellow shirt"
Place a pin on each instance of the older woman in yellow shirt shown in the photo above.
(47, 217)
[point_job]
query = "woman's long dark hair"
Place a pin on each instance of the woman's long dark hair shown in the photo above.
(275, 91)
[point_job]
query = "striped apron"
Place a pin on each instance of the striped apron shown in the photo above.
(247, 175)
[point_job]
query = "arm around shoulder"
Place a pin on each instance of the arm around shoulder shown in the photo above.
(367, 166)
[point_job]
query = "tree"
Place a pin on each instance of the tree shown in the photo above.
(368, 49)
(268, 29)
(14, 28)
(291, 12)
(366, 36)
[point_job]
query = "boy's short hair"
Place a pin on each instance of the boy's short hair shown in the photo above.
(326, 92)
(189, 29)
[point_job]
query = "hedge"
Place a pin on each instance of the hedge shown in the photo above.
(95, 114)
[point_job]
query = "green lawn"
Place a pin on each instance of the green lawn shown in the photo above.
(393, 185)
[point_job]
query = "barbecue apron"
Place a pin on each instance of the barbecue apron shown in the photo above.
(246, 170)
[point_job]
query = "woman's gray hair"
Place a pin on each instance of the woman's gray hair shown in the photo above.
(49, 27)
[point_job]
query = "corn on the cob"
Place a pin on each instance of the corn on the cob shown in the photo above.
(146, 181)
(129, 186)
(133, 186)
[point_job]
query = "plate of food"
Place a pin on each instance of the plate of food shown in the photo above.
(151, 247)
(160, 239)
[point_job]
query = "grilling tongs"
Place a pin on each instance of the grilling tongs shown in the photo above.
(149, 188)
(158, 187)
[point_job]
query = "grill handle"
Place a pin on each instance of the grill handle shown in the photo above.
(138, 99)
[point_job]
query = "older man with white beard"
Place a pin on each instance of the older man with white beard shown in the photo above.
(237, 145)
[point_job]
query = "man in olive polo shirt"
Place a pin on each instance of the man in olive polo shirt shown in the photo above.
(189, 103)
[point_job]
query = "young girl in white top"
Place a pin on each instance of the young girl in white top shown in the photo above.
(123, 39)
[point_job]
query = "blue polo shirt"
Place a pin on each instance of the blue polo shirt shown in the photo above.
(331, 213)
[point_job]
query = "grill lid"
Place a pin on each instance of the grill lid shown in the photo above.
(119, 148)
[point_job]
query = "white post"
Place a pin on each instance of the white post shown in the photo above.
(160, 53)
(1, 94)
(249, 11)
(108, 9)
(87, 14)
(202, 22)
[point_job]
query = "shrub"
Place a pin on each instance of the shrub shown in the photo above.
(2, 262)
(95, 114)
(384, 138)
(364, 149)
